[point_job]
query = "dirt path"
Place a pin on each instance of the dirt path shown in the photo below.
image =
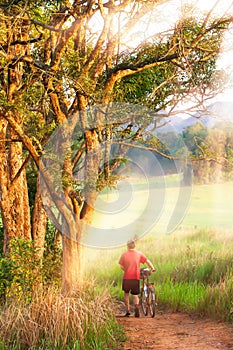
(170, 331)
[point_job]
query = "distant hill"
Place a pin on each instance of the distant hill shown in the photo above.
(215, 113)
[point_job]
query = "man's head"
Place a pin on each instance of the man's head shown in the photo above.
(131, 244)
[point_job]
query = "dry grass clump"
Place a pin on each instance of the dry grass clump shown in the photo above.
(218, 300)
(53, 321)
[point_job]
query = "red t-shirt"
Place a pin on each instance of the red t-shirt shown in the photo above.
(131, 261)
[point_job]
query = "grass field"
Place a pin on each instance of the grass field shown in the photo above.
(142, 208)
(211, 206)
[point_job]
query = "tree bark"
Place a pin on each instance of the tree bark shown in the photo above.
(72, 267)
(39, 221)
(15, 209)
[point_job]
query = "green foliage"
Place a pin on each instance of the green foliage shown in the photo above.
(158, 86)
(20, 271)
(52, 266)
(61, 66)
(137, 88)
(52, 258)
(6, 276)
(194, 135)
(32, 174)
(180, 295)
(169, 143)
(217, 302)
(213, 146)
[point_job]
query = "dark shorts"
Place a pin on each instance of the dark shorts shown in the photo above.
(132, 286)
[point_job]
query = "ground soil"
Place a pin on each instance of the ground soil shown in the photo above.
(170, 331)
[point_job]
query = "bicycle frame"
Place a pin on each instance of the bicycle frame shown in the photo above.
(147, 296)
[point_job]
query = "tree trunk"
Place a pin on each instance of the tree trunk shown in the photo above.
(15, 208)
(76, 222)
(13, 188)
(72, 267)
(39, 221)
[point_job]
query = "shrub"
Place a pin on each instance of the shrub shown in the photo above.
(20, 270)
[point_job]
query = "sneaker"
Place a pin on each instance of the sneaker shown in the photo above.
(127, 314)
(136, 311)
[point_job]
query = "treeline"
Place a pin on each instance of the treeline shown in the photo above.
(208, 149)
(211, 150)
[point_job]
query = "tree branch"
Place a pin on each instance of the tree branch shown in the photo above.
(10, 140)
(26, 42)
(46, 26)
(144, 148)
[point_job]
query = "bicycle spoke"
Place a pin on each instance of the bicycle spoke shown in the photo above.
(143, 301)
(151, 302)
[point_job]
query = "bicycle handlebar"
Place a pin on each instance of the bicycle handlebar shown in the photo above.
(145, 272)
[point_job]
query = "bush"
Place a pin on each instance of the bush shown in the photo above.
(52, 266)
(20, 270)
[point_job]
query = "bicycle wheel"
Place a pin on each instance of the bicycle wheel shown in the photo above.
(151, 302)
(143, 301)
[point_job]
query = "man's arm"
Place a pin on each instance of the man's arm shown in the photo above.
(151, 266)
(122, 267)
(121, 263)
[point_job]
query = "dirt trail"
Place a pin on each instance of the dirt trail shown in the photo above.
(170, 331)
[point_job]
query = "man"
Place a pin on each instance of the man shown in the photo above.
(130, 263)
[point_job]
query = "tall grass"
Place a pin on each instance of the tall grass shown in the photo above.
(199, 273)
(52, 321)
(194, 271)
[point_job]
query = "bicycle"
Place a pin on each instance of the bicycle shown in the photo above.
(147, 293)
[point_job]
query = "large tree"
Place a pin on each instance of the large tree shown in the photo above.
(64, 63)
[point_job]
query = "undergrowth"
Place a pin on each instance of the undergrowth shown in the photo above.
(52, 321)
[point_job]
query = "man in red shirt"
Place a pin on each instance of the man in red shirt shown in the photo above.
(130, 263)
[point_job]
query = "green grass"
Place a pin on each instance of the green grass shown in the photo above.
(211, 206)
(180, 295)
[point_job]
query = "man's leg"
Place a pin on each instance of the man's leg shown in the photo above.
(135, 300)
(127, 303)
(136, 305)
